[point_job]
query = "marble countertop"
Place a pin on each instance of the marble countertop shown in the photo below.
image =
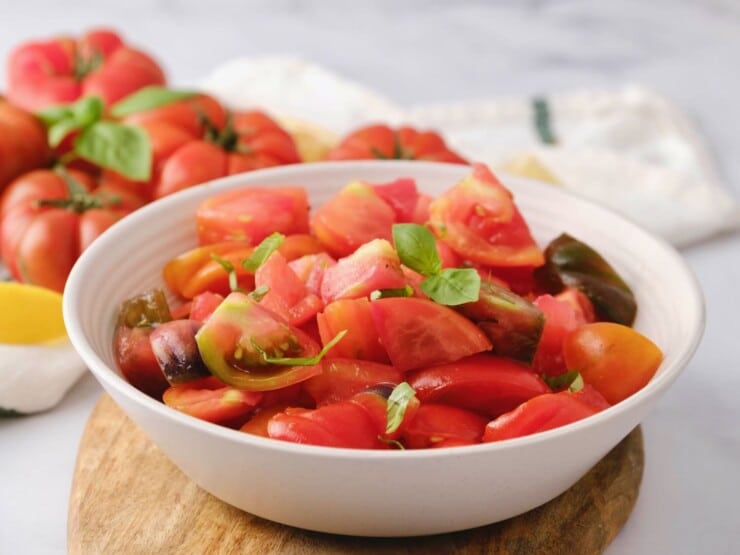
(432, 50)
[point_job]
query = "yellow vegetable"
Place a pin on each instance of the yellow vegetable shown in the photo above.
(37, 361)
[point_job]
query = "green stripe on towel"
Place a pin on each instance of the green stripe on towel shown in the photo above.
(542, 121)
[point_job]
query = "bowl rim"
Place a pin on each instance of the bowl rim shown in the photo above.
(113, 381)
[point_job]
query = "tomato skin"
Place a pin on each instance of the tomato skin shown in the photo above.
(478, 219)
(41, 243)
(372, 218)
(23, 144)
(615, 359)
(137, 362)
(254, 141)
(251, 214)
(187, 116)
(361, 340)
(482, 383)
(434, 424)
(342, 378)
(42, 73)
(539, 414)
(203, 305)
(211, 400)
(228, 342)
(560, 319)
(417, 333)
(401, 195)
(382, 142)
(373, 266)
(258, 423)
(343, 424)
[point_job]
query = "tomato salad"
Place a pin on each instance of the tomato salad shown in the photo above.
(386, 319)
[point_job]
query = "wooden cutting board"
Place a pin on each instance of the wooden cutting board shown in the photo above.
(127, 497)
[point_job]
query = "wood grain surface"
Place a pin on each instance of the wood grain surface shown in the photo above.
(127, 497)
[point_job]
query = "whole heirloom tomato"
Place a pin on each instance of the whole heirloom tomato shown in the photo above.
(61, 70)
(196, 140)
(22, 143)
(384, 143)
(48, 218)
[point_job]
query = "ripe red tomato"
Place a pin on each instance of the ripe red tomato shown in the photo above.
(211, 400)
(189, 116)
(252, 214)
(560, 319)
(372, 218)
(343, 424)
(405, 143)
(417, 333)
(615, 359)
(23, 144)
(539, 414)
(48, 220)
(59, 71)
(342, 378)
(247, 141)
(436, 425)
(482, 383)
(478, 219)
(361, 340)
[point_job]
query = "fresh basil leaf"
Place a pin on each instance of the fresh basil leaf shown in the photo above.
(417, 248)
(453, 286)
(61, 129)
(396, 406)
(148, 98)
(263, 251)
(123, 148)
(572, 380)
(407, 291)
(54, 114)
(298, 361)
(88, 110)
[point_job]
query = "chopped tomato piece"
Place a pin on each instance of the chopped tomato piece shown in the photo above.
(351, 218)
(251, 214)
(361, 340)
(341, 378)
(402, 196)
(435, 424)
(418, 333)
(211, 400)
(477, 218)
(482, 383)
(560, 319)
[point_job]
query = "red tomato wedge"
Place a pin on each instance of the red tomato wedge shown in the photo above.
(251, 214)
(287, 295)
(204, 305)
(211, 400)
(434, 425)
(354, 216)
(539, 414)
(375, 265)
(361, 340)
(417, 333)
(560, 319)
(402, 196)
(477, 218)
(342, 378)
(483, 383)
(344, 424)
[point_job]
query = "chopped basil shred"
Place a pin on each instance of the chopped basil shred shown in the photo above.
(259, 293)
(298, 361)
(229, 268)
(407, 291)
(263, 251)
(398, 402)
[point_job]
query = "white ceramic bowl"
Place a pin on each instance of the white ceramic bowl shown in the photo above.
(384, 493)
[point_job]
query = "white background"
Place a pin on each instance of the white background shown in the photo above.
(442, 50)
